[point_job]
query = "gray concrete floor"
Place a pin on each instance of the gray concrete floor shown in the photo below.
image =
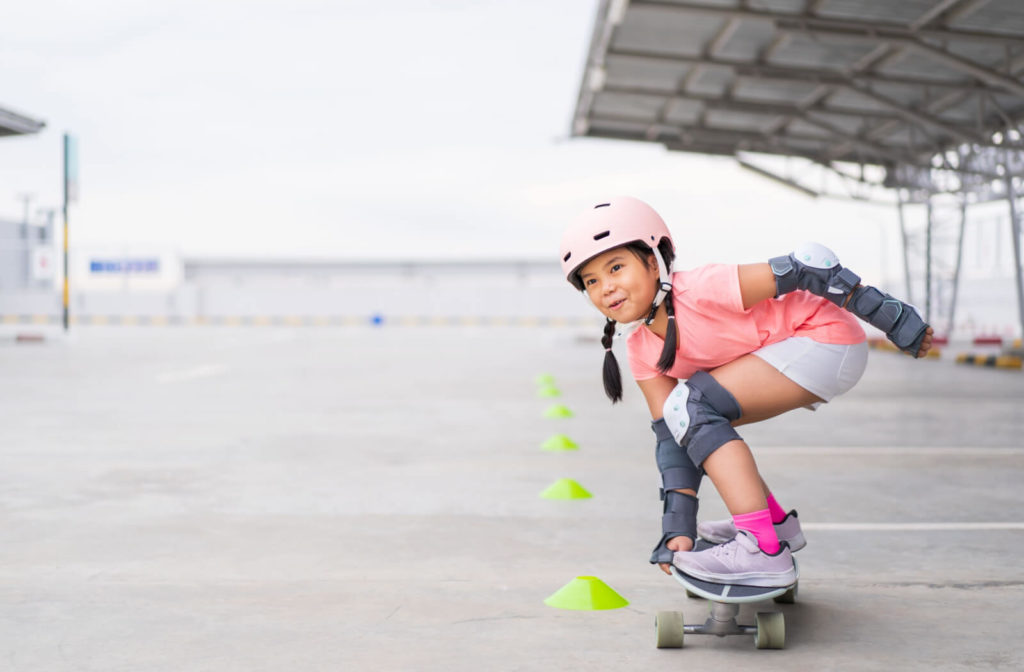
(360, 499)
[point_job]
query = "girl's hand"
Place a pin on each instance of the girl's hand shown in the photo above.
(926, 342)
(676, 544)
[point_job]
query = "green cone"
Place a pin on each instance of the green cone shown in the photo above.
(565, 488)
(586, 593)
(549, 391)
(544, 379)
(559, 442)
(557, 411)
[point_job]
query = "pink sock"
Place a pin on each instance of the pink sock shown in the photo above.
(759, 524)
(778, 513)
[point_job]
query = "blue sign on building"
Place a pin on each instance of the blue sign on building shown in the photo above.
(124, 266)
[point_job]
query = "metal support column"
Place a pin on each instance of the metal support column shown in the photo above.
(928, 264)
(1011, 198)
(959, 261)
(906, 253)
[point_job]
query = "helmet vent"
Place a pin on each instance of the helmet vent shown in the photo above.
(603, 234)
(602, 205)
(566, 257)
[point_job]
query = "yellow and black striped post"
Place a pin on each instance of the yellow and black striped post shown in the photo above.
(996, 361)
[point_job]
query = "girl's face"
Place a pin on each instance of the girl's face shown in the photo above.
(620, 284)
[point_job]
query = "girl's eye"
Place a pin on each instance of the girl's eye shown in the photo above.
(589, 281)
(616, 267)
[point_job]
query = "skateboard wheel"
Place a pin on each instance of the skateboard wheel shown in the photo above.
(788, 597)
(668, 629)
(771, 630)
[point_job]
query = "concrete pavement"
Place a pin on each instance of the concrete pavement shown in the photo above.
(367, 499)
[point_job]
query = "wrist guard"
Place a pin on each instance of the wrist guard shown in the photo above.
(679, 512)
(900, 322)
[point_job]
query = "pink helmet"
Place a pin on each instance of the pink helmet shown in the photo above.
(607, 225)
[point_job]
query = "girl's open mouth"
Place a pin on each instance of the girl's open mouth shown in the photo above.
(616, 305)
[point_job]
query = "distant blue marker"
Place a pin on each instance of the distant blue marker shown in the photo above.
(377, 319)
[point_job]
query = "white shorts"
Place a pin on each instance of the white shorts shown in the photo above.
(823, 369)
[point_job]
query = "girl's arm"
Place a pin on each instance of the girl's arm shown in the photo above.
(656, 391)
(757, 283)
(901, 322)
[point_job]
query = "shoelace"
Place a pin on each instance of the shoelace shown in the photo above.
(730, 549)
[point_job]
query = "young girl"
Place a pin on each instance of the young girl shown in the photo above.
(721, 346)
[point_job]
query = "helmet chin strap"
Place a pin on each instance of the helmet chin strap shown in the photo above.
(664, 286)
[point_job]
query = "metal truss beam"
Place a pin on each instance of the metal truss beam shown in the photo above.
(945, 102)
(753, 146)
(712, 103)
(792, 72)
(13, 123)
(723, 36)
(855, 82)
(728, 141)
(917, 117)
(953, 61)
(933, 13)
(876, 56)
(725, 136)
(747, 105)
(969, 7)
(811, 21)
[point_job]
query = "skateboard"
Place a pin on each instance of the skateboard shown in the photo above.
(724, 602)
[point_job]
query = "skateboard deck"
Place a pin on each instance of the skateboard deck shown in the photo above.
(727, 593)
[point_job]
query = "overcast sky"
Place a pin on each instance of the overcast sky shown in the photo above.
(359, 128)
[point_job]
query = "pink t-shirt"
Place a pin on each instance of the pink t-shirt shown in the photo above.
(714, 329)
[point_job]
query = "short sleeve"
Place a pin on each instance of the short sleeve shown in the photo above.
(639, 349)
(717, 286)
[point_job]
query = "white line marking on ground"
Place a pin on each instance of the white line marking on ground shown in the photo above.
(206, 371)
(895, 451)
(911, 527)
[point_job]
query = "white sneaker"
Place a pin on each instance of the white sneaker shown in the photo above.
(740, 562)
(722, 531)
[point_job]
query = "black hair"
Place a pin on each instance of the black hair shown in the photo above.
(611, 375)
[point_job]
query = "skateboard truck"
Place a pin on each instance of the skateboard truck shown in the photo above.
(721, 622)
(769, 630)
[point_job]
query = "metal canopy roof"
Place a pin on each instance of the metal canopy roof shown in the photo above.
(892, 83)
(12, 123)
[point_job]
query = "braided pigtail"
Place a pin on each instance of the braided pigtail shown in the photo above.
(612, 376)
(668, 352)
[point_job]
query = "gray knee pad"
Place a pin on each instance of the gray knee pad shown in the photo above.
(678, 472)
(698, 413)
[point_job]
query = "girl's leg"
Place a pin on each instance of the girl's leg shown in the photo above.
(762, 392)
(757, 559)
